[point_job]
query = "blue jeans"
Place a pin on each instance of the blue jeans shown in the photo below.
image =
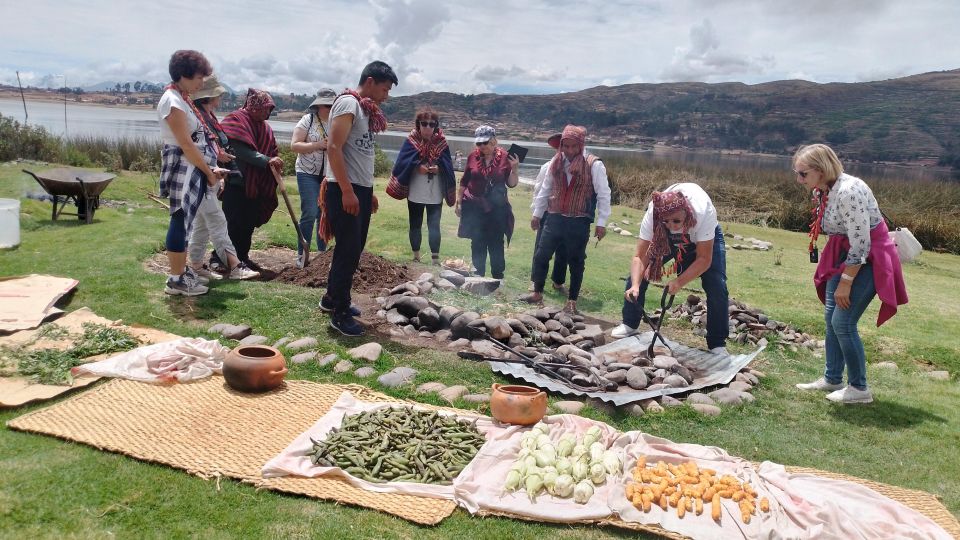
(844, 346)
(714, 283)
(309, 187)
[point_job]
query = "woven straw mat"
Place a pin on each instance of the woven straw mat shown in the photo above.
(209, 430)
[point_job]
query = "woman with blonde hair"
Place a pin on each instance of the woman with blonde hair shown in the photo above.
(859, 261)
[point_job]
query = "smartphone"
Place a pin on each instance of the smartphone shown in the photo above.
(518, 151)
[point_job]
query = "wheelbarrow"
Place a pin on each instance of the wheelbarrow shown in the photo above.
(78, 185)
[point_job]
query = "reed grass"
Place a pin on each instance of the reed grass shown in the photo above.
(929, 208)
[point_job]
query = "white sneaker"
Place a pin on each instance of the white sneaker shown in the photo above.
(623, 331)
(849, 394)
(204, 272)
(820, 384)
(720, 351)
(241, 271)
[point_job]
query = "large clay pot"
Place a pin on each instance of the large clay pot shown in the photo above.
(516, 404)
(254, 368)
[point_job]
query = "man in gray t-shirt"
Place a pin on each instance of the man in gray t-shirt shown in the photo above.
(358, 149)
(349, 200)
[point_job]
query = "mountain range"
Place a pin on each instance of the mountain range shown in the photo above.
(908, 119)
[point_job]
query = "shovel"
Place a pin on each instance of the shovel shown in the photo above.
(296, 226)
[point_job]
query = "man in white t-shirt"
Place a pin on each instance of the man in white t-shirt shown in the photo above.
(680, 224)
(349, 200)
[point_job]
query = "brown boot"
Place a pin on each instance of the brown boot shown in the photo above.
(571, 307)
(532, 298)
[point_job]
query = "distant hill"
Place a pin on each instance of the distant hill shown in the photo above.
(910, 119)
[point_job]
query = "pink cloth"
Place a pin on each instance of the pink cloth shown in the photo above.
(294, 461)
(802, 506)
(887, 272)
(480, 485)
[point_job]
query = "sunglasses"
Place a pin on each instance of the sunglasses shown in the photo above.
(803, 174)
(483, 143)
(429, 124)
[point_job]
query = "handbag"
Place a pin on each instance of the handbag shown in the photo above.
(908, 247)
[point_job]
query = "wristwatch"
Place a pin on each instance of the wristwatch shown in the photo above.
(846, 277)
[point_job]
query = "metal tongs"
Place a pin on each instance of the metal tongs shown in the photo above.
(549, 369)
(664, 306)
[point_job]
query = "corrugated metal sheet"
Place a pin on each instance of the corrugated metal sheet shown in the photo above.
(712, 370)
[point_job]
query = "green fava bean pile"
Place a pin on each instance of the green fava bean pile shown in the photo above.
(400, 445)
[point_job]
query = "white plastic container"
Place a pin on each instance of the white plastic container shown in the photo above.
(9, 223)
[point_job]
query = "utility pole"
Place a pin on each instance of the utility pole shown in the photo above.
(65, 106)
(25, 116)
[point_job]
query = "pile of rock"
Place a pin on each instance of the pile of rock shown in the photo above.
(749, 243)
(747, 325)
(448, 280)
(534, 332)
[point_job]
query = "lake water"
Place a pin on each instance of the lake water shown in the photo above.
(125, 122)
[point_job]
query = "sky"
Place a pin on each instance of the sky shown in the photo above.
(502, 46)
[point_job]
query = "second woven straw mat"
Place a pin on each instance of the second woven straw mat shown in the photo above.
(210, 430)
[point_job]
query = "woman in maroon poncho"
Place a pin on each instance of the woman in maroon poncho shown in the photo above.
(248, 202)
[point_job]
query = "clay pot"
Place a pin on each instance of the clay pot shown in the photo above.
(254, 368)
(515, 404)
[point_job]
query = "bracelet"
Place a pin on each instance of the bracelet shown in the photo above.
(846, 277)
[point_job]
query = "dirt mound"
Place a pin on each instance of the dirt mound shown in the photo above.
(373, 274)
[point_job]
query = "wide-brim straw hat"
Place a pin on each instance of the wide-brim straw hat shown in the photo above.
(211, 88)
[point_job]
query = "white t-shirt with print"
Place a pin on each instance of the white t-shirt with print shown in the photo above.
(313, 162)
(171, 99)
(704, 212)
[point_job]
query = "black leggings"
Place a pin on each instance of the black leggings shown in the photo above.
(434, 211)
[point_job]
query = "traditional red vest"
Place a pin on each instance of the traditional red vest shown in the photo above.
(576, 199)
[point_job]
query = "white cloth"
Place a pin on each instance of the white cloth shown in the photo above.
(184, 359)
(171, 99)
(704, 213)
(480, 485)
(293, 460)
(313, 162)
(852, 211)
(601, 187)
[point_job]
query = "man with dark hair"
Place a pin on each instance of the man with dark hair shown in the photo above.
(347, 198)
(574, 191)
(380, 72)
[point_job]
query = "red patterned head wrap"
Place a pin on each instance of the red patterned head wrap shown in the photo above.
(664, 204)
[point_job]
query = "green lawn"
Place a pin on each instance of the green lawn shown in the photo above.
(51, 488)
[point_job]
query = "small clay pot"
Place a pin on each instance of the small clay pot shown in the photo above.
(254, 368)
(516, 404)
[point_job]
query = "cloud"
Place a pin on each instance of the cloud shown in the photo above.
(498, 74)
(704, 61)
